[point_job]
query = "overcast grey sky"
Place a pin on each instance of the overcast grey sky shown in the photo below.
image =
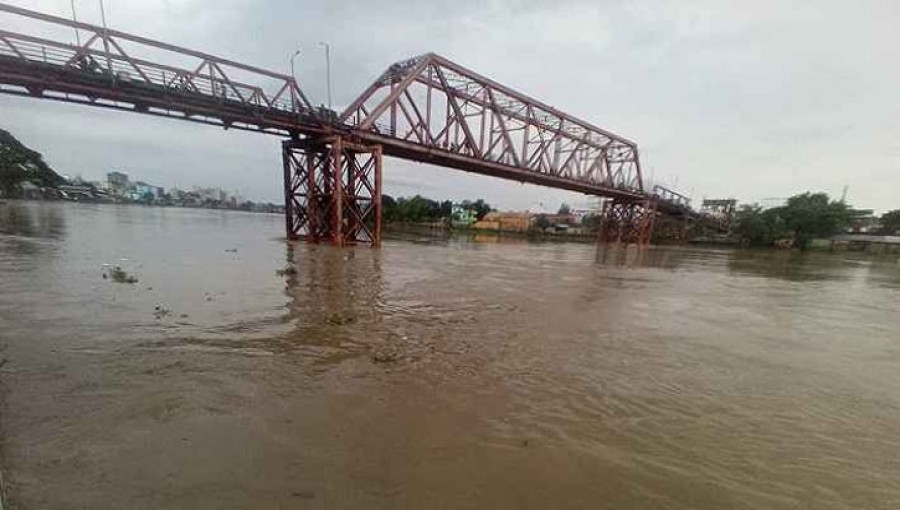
(745, 99)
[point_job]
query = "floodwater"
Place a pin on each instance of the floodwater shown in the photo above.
(434, 373)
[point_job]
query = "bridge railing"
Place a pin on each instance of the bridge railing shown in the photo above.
(671, 197)
(112, 58)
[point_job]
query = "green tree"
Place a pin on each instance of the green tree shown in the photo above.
(388, 208)
(541, 222)
(812, 215)
(591, 221)
(758, 227)
(446, 209)
(420, 209)
(480, 207)
(804, 218)
(564, 209)
(890, 222)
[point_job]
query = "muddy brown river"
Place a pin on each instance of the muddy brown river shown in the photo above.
(243, 372)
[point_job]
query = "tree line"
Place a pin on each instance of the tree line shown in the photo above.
(419, 209)
(804, 217)
(890, 222)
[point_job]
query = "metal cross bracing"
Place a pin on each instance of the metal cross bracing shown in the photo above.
(332, 190)
(426, 109)
(628, 222)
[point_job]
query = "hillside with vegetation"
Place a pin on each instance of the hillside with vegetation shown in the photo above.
(19, 164)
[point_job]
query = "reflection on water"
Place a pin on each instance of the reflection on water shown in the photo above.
(19, 219)
(242, 371)
(335, 296)
(645, 256)
(848, 267)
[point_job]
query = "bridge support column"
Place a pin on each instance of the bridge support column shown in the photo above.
(627, 222)
(332, 191)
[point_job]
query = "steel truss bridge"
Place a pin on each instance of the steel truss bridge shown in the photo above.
(426, 109)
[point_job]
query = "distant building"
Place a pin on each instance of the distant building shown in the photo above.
(462, 216)
(720, 211)
(769, 203)
(76, 191)
(30, 190)
(719, 207)
(211, 194)
(177, 194)
(863, 221)
(581, 214)
(562, 220)
(117, 183)
(141, 191)
(117, 180)
(506, 221)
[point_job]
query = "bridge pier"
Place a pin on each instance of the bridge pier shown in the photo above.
(628, 222)
(332, 190)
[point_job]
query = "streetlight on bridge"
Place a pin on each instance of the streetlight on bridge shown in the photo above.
(293, 56)
(327, 69)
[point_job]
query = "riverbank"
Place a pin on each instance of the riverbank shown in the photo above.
(471, 231)
(267, 210)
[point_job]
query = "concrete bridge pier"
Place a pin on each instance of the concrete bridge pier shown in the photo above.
(332, 190)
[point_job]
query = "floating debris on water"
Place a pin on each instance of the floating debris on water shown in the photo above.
(338, 319)
(160, 311)
(119, 275)
(385, 354)
(287, 271)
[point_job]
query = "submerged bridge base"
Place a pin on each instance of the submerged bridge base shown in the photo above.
(628, 222)
(332, 190)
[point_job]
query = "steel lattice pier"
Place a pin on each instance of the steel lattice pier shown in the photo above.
(332, 190)
(628, 222)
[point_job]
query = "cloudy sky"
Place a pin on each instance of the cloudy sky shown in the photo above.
(751, 100)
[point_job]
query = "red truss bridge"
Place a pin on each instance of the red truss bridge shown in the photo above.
(426, 109)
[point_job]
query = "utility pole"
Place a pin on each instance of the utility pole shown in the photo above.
(293, 56)
(103, 16)
(327, 69)
(75, 19)
(106, 40)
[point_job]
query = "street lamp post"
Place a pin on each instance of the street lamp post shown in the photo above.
(327, 69)
(75, 19)
(293, 56)
(294, 78)
(103, 18)
(109, 67)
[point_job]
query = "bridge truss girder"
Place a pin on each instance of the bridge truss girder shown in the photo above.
(432, 109)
